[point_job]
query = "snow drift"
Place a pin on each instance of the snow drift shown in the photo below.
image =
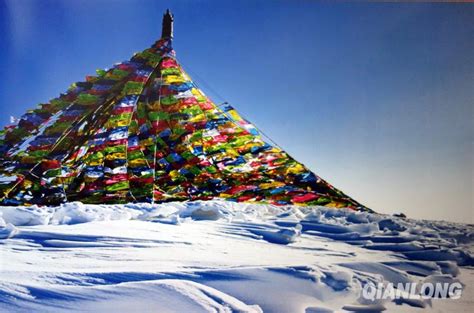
(217, 256)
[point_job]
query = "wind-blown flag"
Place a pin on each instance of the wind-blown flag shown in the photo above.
(143, 131)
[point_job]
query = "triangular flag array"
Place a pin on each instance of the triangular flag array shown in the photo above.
(143, 132)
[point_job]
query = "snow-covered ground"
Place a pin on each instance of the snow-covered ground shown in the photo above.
(218, 256)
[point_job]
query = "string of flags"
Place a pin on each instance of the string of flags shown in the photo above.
(143, 131)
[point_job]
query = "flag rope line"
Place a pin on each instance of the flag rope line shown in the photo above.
(145, 85)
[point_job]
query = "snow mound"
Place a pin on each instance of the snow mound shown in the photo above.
(70, 213)
(167, 295)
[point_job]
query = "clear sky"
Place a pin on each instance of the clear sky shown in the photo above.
(376, 98)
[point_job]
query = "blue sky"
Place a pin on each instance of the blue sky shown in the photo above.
(376, 98)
